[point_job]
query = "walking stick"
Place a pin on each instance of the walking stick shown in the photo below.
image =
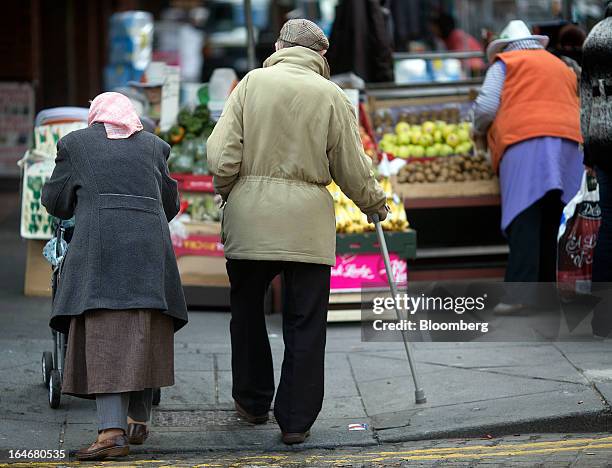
(419, 393)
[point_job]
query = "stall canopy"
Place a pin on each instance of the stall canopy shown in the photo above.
(248, 14)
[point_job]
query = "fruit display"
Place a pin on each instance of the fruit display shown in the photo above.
(431, 139)
(451, 169)
(188, 140)
(201, 206)
(189, 157)
(350, 219)
(369, 145)
(190, 124)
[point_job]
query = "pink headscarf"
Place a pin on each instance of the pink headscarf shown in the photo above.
(117, 114)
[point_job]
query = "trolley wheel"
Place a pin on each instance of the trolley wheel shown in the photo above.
(46, 365)
(55, 389)
(156, 396)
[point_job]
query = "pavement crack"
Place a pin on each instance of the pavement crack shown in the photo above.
(484, 400)
(62, 433)
(592, 384)
(374, 433)
(216, 376)
(496, 372)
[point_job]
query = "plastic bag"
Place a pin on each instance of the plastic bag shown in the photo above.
(577, 239)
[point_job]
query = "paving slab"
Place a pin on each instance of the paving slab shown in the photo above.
(577, 410)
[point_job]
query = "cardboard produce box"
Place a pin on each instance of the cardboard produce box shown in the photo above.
(38, 271)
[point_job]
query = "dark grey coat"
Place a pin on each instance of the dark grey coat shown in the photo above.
(122, 196)
(596, 96)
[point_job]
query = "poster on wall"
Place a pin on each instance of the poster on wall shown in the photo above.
(16, 121)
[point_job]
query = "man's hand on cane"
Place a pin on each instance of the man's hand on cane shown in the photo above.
(382, 213)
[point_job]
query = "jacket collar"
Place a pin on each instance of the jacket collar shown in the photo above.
(302, 57)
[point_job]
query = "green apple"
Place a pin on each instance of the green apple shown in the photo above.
(464, 148)
(448, 130)
(426, 140)
(402, 152)
(389, 137)
(431, 152)
(437, 136)
(463, 134)
(418, 151)
(415, 136)
(428, 127)
(403, 138)
(440, 124)
(446, 150)
(402, 127)
(452, 139)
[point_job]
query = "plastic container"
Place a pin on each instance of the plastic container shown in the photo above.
(221, 83)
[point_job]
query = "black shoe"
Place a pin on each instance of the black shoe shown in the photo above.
(137, 433)
(244, 414)
(291, 438)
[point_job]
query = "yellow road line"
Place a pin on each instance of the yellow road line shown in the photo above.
(508, 453)
(503, 446)
(441, 453)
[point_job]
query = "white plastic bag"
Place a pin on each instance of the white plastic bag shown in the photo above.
(577, 239)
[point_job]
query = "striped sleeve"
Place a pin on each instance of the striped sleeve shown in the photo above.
(488, 101)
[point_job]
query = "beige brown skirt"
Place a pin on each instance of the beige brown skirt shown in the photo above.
(113, 351)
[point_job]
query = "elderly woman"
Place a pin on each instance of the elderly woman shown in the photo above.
(120, 298)
(528, 107)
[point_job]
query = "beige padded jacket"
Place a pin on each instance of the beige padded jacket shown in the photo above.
(285, 133)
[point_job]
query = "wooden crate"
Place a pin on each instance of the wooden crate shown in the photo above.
(470, 188)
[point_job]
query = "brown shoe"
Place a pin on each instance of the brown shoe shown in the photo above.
(137, 433)
(244, 414)
(114, 447)
(291, 438)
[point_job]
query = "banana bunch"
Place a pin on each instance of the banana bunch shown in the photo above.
(350, 219)
(396, 219)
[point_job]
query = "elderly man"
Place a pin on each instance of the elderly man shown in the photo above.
(285, 133)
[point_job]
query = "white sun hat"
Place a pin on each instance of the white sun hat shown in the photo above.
(516, 30)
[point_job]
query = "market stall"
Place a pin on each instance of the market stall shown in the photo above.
(449, 190)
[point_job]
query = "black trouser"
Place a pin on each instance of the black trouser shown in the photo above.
(532, 237)
(602, 257)
(300, 391)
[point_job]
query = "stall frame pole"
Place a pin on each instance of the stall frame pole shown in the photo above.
(248, 14)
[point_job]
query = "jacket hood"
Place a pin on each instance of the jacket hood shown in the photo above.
(302, 57)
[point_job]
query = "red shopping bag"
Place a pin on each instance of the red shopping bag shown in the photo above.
(577, 239)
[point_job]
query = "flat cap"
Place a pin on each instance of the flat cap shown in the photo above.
(305, 33)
